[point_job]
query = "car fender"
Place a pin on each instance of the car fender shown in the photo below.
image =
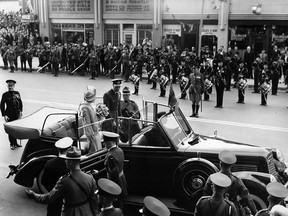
(190, 176)
(30, 170)
(256, 184)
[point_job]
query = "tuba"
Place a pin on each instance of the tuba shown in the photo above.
(265, 88)
(207, 85)
(134, 78)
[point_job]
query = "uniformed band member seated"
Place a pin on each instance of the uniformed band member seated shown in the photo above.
(277, 193)
(108, 192)
(154, 207)
(227, 159)
(114, 163)
(77, 189)
(216, 204)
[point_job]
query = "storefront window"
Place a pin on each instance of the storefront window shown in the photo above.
(112, 34)
(144, 31)
(89, 34)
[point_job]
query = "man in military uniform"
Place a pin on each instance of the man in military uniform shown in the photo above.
(216, 204)
(112, 100)
(4, 49)
(277, 193)
(163, 73)
(206, 70)
(196, 89)
(93, 64)
(11, 56)
(114, 163)
(29, 57)
(53, 170)
(55, 60)
(108, 193)
(11, 108)
(241, 88)
(154, 207)
(78, 188)
(128, 108)
(183, 72)
(264, 78)
(227, 159)
(220, 84)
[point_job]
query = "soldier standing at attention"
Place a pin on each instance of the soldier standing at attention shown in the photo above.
(55, 60)
(29, 57)
(196, 89)
(78, 189)
(219, 84)
(108, 193)
(277, 193)
(114, 163)
(216, 204)
(237, 188)
(112, 100)
(11, 108)
(53, 170)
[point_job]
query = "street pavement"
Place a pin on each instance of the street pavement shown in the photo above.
(249, 122)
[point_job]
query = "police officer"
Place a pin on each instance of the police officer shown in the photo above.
(11, 108)
(108, 193)
(114, 163)
(128, 108)
(277, 193)
(216, 204)
(112, 100)
(227, 159)
(78, 189)
(53, 170)
(154, 207)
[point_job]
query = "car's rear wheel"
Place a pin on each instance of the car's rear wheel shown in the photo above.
(41, 187)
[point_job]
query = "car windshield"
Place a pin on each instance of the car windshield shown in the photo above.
(173, 128)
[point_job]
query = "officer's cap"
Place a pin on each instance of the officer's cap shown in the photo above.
(277, 189)
(279, 210)
(109, 136)
(227, 157)
(64, 143)
(126, 91)
(108, 187)
(154, 207)
(116, 81)
(11, 81)
(220, 180)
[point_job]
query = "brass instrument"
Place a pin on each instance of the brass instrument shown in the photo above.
(184, 81)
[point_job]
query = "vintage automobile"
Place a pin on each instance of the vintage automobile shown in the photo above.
(166, 158)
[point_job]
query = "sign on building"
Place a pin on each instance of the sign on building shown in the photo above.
(128, 6)
(71, 6)
(172, 29)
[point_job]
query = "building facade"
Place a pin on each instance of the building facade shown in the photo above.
(189, 22)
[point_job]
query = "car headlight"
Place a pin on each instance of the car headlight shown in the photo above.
(280, 156)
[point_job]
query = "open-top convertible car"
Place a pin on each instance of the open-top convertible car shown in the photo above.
(164, 158)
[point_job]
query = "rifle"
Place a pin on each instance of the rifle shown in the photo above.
(81, 65)
(43, 67)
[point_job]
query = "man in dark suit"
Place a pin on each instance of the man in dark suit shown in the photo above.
(114, 163)
(112, 100)
(53, 170)
(248, 60)
(11, 108)
(78, 189)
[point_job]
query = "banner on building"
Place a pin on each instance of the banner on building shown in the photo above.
(71, 6)
(172, 30)
(128, 6)
(210, 30)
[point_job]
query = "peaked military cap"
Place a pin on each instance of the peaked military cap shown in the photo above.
(220, 180)
(109, 136)
(108, 187)
(153, 206)
(227, 157)
(64, 143)
(277, 189)
(126, 90)
(11, 81)
(116, 81)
